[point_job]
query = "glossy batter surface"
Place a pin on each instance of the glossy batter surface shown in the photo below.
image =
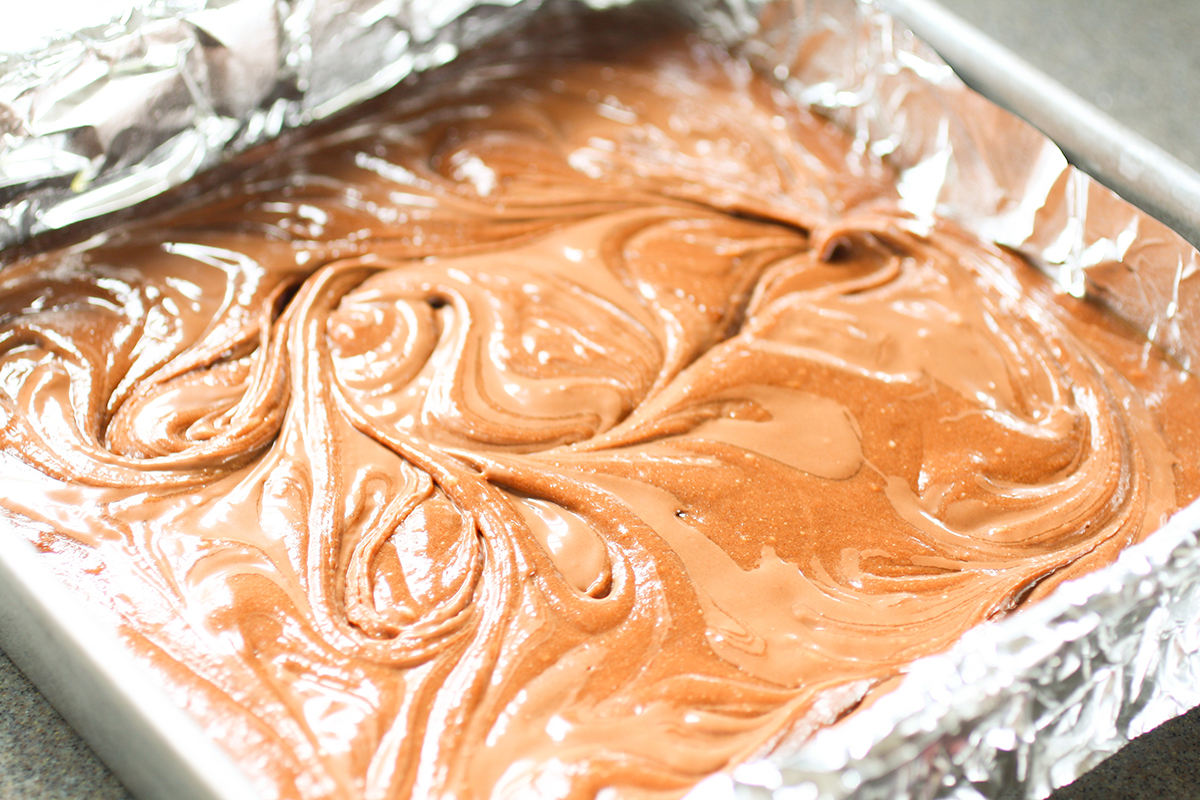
(573, 424)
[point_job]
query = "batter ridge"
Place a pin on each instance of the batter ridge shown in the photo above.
(570, 424)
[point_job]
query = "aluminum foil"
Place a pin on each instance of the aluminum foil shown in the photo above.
(98, 119)
(1021, 707)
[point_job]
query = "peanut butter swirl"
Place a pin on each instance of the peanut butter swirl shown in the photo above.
(568, 424)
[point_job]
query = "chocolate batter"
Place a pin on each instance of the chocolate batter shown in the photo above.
(572, 424)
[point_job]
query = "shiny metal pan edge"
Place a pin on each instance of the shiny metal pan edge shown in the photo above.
(77, 662)
(1136, 169)
(962, 724)
(1027, 705)
(1021, 707)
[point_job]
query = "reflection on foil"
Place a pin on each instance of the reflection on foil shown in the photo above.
(95, 120)
(1018, 708)
(98, 119)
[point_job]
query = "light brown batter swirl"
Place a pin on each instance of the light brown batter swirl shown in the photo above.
(576, 423)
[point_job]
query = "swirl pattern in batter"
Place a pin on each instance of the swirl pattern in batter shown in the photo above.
(572, 424)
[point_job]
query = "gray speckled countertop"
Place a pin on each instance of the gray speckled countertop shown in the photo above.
(1136, 59)
(40, 757)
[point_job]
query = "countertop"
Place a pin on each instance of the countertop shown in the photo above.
(1138, 61)
(1135, 59)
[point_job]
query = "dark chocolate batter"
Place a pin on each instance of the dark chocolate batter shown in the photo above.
(578, 424)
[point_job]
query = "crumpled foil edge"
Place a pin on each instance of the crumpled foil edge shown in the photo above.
(1026, 705)
(101, 119)
(1020, 706)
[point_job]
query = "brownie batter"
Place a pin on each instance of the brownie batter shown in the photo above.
(569, 424)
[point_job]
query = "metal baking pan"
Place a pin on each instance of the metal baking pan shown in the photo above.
(1020, 707)
(77, 661)
(1138, 170)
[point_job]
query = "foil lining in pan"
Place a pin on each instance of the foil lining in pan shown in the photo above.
(1020, 706)
(1027, 705)
(95, 120)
